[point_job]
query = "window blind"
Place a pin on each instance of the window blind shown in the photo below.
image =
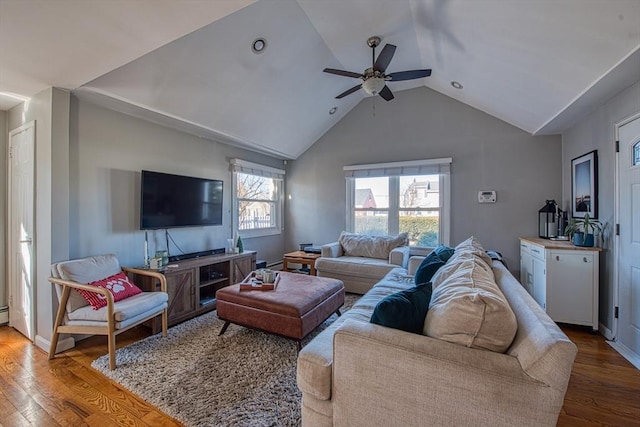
(414, 167)
(250, 168)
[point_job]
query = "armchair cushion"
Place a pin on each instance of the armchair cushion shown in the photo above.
(123, 310)
(85, 270)
(119, 285)
(363, 245)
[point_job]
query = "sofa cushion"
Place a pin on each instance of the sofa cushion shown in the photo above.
(428, 268)
(372, 268)
(469, 309)
(404, 310)
(471, 246)
(119, 285)
(363, 245)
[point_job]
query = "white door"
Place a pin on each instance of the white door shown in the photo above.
(21, 239)
(628, 332)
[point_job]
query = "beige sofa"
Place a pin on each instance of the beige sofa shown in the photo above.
(360, 261)
(356, 373)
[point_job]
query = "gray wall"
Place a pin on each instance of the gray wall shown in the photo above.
(4, 142)
(488, 154)
(108, 150)
(596, 132)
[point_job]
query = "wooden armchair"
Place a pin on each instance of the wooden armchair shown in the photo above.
(76, 316)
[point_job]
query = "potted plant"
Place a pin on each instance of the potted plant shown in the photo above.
(583, 230)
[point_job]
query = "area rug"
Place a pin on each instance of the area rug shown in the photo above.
(242, 378)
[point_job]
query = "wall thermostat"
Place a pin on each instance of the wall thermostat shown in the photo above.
(487, 196)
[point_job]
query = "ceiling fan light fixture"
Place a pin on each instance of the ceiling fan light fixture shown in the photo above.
(374, 85)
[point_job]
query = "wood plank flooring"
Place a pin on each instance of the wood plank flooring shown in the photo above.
(604, 389)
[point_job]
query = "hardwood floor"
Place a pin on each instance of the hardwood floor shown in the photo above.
(604, 389)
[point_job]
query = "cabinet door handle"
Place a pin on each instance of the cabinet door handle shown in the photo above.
(535, 250)
(557, 257)
(585, 259)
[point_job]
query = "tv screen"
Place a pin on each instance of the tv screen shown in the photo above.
(170, 201)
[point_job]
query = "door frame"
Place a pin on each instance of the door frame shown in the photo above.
(616, 215)
(11, 243)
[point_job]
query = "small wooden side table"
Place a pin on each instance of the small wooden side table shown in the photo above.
(300, 257)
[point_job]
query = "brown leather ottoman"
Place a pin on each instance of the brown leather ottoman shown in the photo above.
(297, 305)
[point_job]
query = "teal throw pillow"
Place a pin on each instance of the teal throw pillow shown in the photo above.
(404, 310)
(428, 268)
(444, 252)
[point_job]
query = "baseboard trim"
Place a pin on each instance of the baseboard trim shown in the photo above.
(606, 332)
(63, 344)
(4, 315)
(632, 357)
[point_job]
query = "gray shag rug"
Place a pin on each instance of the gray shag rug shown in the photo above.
(242, 378)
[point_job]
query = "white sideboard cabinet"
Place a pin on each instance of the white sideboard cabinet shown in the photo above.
(562, 278)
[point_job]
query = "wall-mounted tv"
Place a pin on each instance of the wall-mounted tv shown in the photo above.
(171, 201)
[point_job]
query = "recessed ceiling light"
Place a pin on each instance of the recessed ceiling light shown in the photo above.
(456, 84)
(259, 45)
(333, 110)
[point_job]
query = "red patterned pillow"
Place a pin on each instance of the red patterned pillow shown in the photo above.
(119, 285)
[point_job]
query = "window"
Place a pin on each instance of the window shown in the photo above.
(391, 198)
(257, 203)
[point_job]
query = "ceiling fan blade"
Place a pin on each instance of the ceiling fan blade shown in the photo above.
(384, 58)
(409, 75)
(349, 92)
(343, 73)
(386, 93)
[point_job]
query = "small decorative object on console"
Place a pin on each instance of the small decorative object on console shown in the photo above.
(254, 282)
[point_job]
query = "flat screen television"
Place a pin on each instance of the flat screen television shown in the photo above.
(171, 201)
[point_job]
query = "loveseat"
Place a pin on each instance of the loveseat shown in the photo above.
(360, 261)
(357, 373)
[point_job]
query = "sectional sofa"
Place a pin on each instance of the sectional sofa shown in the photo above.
(487, 355)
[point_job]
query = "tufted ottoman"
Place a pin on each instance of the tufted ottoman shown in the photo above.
(297, 305)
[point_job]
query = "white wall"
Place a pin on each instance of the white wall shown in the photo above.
(488, 154)
(108, 151)
(4, 132)
(50, 110)
(596, 132)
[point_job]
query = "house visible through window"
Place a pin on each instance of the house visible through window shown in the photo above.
(391, 198)
(258, 198)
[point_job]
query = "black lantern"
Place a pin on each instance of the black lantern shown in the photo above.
(547, 227)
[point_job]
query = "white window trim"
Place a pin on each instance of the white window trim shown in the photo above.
(243, 166)
(441, 167)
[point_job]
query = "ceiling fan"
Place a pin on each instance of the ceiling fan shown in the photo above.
(374, 78)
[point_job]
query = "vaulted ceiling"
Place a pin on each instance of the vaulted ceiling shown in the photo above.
(536, 64)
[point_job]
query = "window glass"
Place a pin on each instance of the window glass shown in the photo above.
(257, 202)
(419, 208)
(396, 204)
(371, 206)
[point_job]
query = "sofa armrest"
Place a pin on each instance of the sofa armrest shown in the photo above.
(400, 256)
(332, 250)
(383, 373)
(414, 263)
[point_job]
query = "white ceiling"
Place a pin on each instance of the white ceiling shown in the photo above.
(536, 64)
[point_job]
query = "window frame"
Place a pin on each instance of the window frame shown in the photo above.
(249, 168)
(393, 171)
